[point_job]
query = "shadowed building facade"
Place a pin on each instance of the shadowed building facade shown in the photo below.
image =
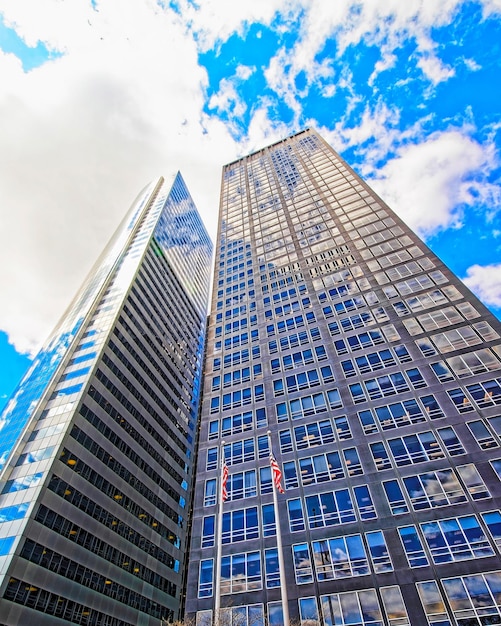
(97, 443)
(378, 374)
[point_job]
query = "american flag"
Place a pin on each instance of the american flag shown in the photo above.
(276, 474)
(224, 481)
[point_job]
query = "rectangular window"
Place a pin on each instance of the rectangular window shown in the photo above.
(240, 525)
(456, 539)
(241, 572)
(340, 557)
(413, 546)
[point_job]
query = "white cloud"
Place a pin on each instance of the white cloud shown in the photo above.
(85, 133)
(216, 20)
(428, 184)
(244, 72)
(227, 101)
(472, 65)
(387, 24)
(485, 282)
(434, 69)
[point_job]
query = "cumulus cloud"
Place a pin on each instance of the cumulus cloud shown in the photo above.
(382, 23)
(86, 132)
(429, 183)
(485, 282)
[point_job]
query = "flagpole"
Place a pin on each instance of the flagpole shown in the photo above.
(219, 542)
(281, 564)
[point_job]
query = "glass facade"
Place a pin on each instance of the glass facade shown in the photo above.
(379, 376)
(98, 442)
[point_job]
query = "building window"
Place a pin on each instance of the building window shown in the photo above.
(474, 597)
(242, 485)
(205, 577)
(272, 571)
(378, 551)
(456, 539)
(352, 607)
(241, 572)
(433, 603)
(413, 547)
(240, 525)
(302, 563)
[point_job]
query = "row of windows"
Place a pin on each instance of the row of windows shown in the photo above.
(242, 339)
(348, 289)
(241, 485)
(435, 489)
(110, 490)
(303, 380)
(238, 423)
(71, 570)
(288, 294)
(236, 358)
(359, 320)
(427, 300)
(341, 557)
(387, 385)
(240, 525)
(239, 452)
(416, 448)
(83, 503)
(457, 338)
(450, 540)
(384, 246)
(331, 508)
(393, 274)
(346, 306)
(236, 326)
(412, 285)
(236, 311)
(336, 558)
(293, 340)
(468, 364)
(482, 395)
(374, 361)
(237, 376)
(473, 600)
(369, 339)
(395, 258)
(236, 288)
(298, 359)
(23, 593)
(287, 309)
(308, 405)
(315, 434)
(118, 468)
(289, 324)
(103, 402)
(322, 468)
(237, 398)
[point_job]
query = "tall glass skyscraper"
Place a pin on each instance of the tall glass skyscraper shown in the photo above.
(378, 375)
(97, 443)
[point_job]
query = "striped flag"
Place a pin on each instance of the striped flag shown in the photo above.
(224, 481)
(276, 474)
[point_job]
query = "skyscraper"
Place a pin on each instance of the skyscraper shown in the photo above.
(97, 441)
(378, 375)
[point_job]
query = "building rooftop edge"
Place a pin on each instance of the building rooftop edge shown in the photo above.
(308, 128)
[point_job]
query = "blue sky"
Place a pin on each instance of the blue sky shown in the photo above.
(102, 96)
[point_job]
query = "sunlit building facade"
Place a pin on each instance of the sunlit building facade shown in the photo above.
(97, 443)
(379, 376)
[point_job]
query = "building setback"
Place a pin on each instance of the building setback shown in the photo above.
(378, 374)
(97, 444)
